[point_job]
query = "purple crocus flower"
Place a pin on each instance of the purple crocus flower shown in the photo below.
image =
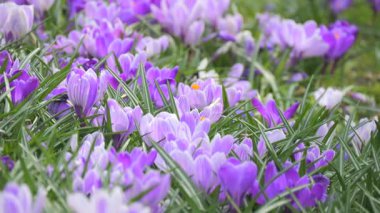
(162, 77)
(84, 89)
(75, 6)
(297, 77)
(304, 39)
(237, 179)
(375, 5)
(338, 6)
(230, 26)
(340, 36)
(201, 93)
(129, 65)
(270, 111)
(102, 37)
(238, 90)
(308, 195)
(150, 46)
(126, 169)
(8, 162)
(17, 20)
(23, 86)
(21, 83)
(18, 198)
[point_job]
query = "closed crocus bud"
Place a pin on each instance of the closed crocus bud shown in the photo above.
(194, 33)
(84, 89)
(15, 20)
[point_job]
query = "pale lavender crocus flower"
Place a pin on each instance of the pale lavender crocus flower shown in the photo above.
(18, 198)
(151, 46)
(201, 93)
(40, 6)
(338, 6)
(84, 89)
(16, 20)
(363, 132)
(329, 98)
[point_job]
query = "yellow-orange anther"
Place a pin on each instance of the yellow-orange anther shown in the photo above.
(202, 118)
(336, 35)
(195, 86)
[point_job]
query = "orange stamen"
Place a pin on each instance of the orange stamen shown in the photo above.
(336, 35)
(195, 86)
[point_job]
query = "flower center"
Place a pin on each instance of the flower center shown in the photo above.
(202, 118)
(195, 86)
(336, 35)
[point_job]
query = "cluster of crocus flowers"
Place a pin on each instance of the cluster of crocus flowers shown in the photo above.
(308, 39)
(210, 164)
(20, 82)
(93, 165)
(304, 40)
(189, 20)
(103, 32)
